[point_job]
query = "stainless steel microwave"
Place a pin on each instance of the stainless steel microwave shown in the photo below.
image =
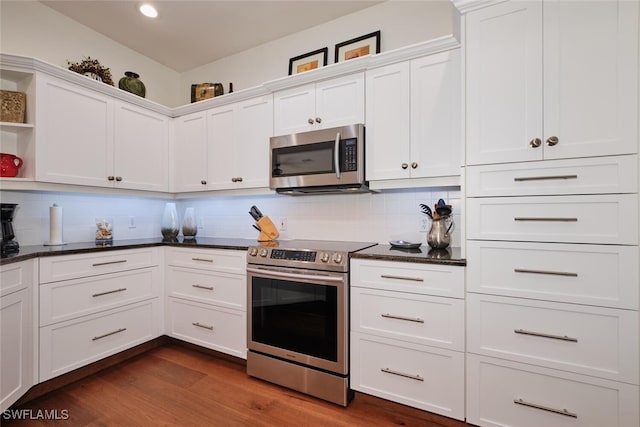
(319, 161)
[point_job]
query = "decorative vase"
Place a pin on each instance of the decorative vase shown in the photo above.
(170, 226)
(189, 227)
(439, 236)
(131, 83)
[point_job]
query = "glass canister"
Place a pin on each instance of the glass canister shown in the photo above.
(104, 231)
(170, 226)
(189, 226)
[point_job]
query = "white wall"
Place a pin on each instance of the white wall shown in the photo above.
(377, 217)
(401, 23)
(31, 29)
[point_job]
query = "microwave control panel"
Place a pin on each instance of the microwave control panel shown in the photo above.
(349, 155)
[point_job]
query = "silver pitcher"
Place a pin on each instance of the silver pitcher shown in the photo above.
(439, 236)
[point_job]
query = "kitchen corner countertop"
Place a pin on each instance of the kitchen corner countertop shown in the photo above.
(423, 254)
(39, 251)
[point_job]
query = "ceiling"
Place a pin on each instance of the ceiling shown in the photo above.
(187, 34)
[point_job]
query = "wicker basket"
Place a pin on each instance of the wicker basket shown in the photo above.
(13, 106)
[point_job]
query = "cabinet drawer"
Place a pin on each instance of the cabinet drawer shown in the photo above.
(588, 340)
(595, 175)
(432, 279)
(72, 344)
(604, 275)
(423, 377)
(67, 267)
(74, 298)
(544, 397)
(229, 261)
(421, 319)
(17, 276)
(607, 219)
(217, 328)
(223, 289)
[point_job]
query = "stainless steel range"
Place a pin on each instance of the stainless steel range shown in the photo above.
(298, 324)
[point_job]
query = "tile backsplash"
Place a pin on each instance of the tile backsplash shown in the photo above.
(377, 217)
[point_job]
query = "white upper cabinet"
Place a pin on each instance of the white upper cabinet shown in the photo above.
(413, 118)
(74, 134)
(87, 138)
(189, 148)
(141, 149)
(551, 80)
(326, 104)
(238, 144)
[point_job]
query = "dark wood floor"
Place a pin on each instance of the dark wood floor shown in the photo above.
(175, 385)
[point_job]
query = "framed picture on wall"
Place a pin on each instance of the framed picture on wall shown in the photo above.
(360, 46)
(308, 61)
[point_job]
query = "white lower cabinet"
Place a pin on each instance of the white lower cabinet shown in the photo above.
(95, 305)
(207, 298)
(407, 340)
(18, 351)
(506, 393)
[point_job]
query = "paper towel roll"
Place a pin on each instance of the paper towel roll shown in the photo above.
(55, 224)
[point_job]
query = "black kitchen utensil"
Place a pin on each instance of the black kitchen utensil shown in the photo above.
(426, 210)
(441, 202)
(444, 210)
(255, 213)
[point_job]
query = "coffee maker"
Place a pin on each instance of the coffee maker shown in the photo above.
(8, 245)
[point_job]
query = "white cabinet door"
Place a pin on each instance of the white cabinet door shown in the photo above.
(504, 83)
(221, 147)
(254, 127)
(74, 134)
(590, 78)
(436, 138)
(17, 346)
(294, 110)
(327, 104)
(141, 149)
(552, 80)
(387, 120)
(340, 101)
(190, 153)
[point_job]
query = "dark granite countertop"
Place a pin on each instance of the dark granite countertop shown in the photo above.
(38, 251)
(423, 254)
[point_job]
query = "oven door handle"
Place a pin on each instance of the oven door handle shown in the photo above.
(336, 155)
(294, 275)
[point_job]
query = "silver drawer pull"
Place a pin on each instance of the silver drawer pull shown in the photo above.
(540, 219)
(538, 334)
(412, 279)
(200, 325)
(108, 334)
(209, 288)
(202, 259)
(543, 178)
(109, 292)
(408, 319)
(401, 374)
(552, 273)
(98, 264)
(545, 408)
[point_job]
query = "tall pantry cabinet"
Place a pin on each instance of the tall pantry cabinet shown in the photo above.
(552, 213)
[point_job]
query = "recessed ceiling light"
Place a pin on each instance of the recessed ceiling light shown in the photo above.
(148, 10)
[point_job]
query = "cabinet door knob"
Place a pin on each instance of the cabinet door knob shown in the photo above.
(414, 165)
(203, 182)
(318, 120)
(405, 165)
(310, 121)
(552, 140)
(239, 179)
(535, 143)
(118, 178)
(111, 178)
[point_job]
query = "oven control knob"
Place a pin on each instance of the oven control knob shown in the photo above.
(324, 257)
(263, 252)
(253, 251)
(337, 258)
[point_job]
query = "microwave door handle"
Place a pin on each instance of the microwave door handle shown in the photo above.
(336, 155)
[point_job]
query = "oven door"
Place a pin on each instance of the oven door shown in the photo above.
(299, 315)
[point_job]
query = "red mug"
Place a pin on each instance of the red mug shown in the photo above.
(9, 165)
